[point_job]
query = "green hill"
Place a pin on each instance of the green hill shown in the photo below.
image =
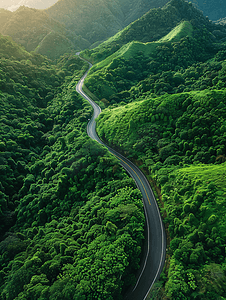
(163, 106)
(99, 19)
(182, 30)
(54, 45)
(4, 16)
(128, 51)
(33, 28)
(179, 142)
(9, 48)
(151, 27)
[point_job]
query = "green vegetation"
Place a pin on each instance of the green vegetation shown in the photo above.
(71, 220)
(152, 26)
(166, 134)
(99, 19)
(71, 25)
(183, 29)
(166, 110)
(36, 31)
(170, 67)
(169, 130)
(194, 200)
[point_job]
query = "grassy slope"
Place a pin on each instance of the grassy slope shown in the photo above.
(151, 27)
(128, 50)
(183, 29)
(144, 130)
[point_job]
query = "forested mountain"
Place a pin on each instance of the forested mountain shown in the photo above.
(36, 31)
(99, 19)
(163, 102)
(5, 15)
(152, 26)
(70, 24)
(71, 220)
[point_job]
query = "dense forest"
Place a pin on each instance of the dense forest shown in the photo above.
(71, 219)
(165, 109)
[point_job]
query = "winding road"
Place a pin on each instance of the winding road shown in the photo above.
(155, 238)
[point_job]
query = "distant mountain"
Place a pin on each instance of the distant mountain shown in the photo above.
(36, 31)
(15, 4)
(5, 15)
(151, 27)
(97, 20)
(70, 24)
(213, 9)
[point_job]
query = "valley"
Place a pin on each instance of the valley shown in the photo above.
(73, 222)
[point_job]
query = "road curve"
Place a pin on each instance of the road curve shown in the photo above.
(155, 238)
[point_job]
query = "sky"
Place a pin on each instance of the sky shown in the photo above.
(15, 4)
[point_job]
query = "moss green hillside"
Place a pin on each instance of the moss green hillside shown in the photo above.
(179, 141)
(130, 50)
(183, 29)
(151, 27)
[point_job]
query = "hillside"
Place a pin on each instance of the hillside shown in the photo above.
(131, 49)
(70, 217)
(5, 15)
(33, 29)
(179, 142)
(72, 221)
(9, 48)
(99, 19)
(151, 27)
(163, 106)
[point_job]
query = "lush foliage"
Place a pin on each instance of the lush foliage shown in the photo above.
(71, 220)
(165, 134)
(177, 62)
(36, 31)
(151, 27)
(97, 20)
(167, 111)
(194, 200)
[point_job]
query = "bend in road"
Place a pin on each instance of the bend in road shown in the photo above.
(155, 239)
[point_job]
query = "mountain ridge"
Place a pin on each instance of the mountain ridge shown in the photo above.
(152, 26)
(29, 26)
(107, 16)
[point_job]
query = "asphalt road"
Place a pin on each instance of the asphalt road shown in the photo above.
(155, 239)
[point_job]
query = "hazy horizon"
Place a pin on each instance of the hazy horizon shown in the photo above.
(13, 5)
